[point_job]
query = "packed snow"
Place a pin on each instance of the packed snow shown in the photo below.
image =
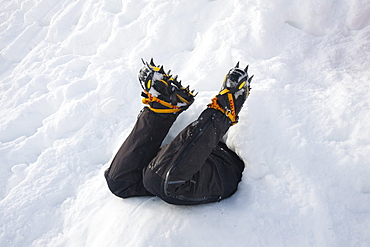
(70, 96)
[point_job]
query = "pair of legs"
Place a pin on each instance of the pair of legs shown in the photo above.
(196, 167)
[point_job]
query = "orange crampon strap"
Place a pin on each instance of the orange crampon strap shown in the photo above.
(151, 98)
(229, 113)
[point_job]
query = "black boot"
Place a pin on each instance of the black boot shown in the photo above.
(235, 90)
(162, 92)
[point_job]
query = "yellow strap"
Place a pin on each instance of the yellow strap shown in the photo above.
(154, 99)
(230, 114)
(242, 85)
(164, 82)
(149, 84)
(151, 98)
(155, 68)
(164, 110)
(224, 91)
(231, 103)
(215, 105)
(182, 99)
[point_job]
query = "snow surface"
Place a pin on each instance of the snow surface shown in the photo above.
(70, 96)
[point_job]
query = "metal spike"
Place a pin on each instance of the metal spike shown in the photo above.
(237, 65)
(152, 62)
(175, 78)
(161, 70)
(250, 79)
(142, 60)
(246, 68)
(169, 72)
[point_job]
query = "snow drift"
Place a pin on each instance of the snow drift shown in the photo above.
(69, 97)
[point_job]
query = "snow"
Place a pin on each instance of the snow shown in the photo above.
(70, 96)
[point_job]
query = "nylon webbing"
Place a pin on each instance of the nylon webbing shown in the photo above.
(231, 114)
(170, 108)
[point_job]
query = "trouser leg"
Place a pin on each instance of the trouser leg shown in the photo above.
(124, 176)
(186, 171)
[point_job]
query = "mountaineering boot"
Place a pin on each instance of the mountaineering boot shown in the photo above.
(235, 90)
(162, 92)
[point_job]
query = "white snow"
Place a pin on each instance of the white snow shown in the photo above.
(69, 96)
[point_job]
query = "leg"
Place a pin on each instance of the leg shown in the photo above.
(195, 167)
(124, 176)
(166, 99)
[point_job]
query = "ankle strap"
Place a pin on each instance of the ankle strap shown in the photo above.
(231, 114)
(150, 98)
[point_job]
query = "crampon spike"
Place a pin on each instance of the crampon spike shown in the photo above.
(246, 68)
(250, 79)
(152, 62)
(161, 70)
(237, 65)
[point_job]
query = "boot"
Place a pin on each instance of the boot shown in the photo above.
(162, 92)
(235, 90)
